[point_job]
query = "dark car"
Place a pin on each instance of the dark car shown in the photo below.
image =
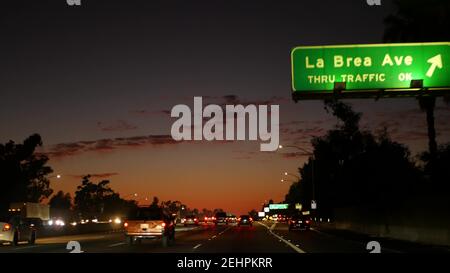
(282, 218)
(245, 220)
(16, 229)
(190, 220)
(231, 219)
(299, 222)
(221, 219)
(149, 223)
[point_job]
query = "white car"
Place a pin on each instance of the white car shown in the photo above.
(17, 229)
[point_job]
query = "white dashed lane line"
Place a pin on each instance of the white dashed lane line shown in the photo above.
(294, 247)
(197, 246)
(117, 244)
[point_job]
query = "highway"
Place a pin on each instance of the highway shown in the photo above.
(264, 237)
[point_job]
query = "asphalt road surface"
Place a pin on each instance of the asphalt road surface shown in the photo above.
(260, 238)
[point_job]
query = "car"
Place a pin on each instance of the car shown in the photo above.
(17, 229)
(149, 222)
(209, 219)
(282, 218)
(299, 222)
(190, 220)
(245, 220)
(221, 219)
(231, 219)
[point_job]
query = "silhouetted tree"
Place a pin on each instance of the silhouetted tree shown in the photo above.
(61, 201)
(419, 21)
(354, 168)
(23, 172)
(99, 200)
(253, 213)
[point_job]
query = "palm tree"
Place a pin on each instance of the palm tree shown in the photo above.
(421, 21)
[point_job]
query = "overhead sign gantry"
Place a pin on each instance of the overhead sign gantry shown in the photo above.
(372, 70)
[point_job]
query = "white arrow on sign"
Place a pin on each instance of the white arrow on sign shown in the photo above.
(435, 61)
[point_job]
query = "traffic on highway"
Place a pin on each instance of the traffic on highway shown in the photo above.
(215, 135)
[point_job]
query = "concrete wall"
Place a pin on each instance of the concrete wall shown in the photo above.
(427, 221)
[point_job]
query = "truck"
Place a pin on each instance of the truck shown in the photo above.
(31, 210)
(21, 222)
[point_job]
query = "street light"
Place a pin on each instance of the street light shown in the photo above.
(291, 174)
(58, 176)
(132, 194)
(286, 180)
(299, 148)
(312, 165)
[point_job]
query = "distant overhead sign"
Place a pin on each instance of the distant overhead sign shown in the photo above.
(261, 214)
(278, 206)
(362, 70)
(266, 209)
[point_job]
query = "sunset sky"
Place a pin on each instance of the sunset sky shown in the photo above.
(97, 82)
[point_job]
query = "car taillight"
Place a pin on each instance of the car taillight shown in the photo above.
(6, 227)
(163, 224)
(195, 219)
(251, 219)
(206, 218)
(125, 224)
(214, 218)
(307, 221)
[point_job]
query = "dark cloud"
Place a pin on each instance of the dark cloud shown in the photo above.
(94, 175)
(107, 145)
(144, 112)
(222, 101)
(117, 126)
(294, 155)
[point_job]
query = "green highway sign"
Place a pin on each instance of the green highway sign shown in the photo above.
(278, 206)
(373, 67)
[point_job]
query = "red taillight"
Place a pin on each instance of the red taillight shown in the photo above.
(214, 218)
(195, 219)
(307, 221)
(206, 218)
(251, 219)
(125, 224)
(163, 224)
(6, 227)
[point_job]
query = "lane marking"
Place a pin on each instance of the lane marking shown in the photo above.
(197, 246)
(24, 247)
(294, 247)
(117, 244)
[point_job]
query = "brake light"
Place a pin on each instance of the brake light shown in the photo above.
(195, 219)
(163, 224)
(251, 219)
(6, 227)
(125, 224)
(206, 218)
(214, 218)
(307, 221)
